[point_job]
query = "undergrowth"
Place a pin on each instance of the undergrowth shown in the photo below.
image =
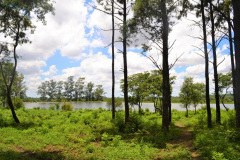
(92, 134)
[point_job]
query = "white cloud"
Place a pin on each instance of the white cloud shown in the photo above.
(52, 71)
(74, 32)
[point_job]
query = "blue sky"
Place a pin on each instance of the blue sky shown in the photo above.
(71, 44)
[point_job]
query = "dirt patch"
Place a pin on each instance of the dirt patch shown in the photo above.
(187, 139)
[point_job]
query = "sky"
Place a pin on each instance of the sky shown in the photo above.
(72, 43)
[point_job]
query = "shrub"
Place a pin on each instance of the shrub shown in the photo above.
(118, 103)
(18, 103)
(36, 108)
(52, 107)
(67, 107)
(57, 105)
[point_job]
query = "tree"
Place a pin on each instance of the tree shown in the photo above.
(59, 90)
(154, 89)
(225, 83)
(113, 62)
(118, 103)
(137, 88)
(89, 91)
(198, 94)
(236, 21)
(18, 89)
(99, 93)
(154, 18)
(51, 89)
(201, 11)
(15, 21)
(69, 88)
(186, 93)
(218, 111)
(42, 91)
(78, 88)
(206, 66)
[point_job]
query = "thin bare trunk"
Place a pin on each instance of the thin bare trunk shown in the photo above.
(232, 57)
(113, 57)
(165, 72)
(125, 61)
(236, 21)
(206, 68)
(218, 111)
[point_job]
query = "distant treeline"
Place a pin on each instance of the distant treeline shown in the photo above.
(70, 90)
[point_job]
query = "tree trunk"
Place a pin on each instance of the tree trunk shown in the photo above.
(113, 57)
(218, 111)
(186, 111)
(195, 109)
(170, 111)
(206, 68)
(165, 72)
(125, 61)
(9, 100)
(232, 57)
(236, 21)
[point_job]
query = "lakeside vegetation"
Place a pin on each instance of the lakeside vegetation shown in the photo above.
(92, 134)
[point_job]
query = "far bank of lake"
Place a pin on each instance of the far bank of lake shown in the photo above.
(96, 105)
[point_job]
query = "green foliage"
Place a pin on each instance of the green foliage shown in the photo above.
(18, 103)
(67, 106)
(52, 107)
(57, 105)
(118, 103)
(97, 136)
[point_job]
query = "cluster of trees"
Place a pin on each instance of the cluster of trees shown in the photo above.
(194, 93)
(19, 87)
(147, 85)
(154, 20)
(70, 90)
(191, 93)
(15, 16)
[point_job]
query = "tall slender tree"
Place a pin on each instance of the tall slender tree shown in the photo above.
(206, 65)
(218, 111)
(236, 21)
(113, 62)
(15, 18)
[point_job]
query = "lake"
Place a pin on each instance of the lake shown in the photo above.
(96, 105)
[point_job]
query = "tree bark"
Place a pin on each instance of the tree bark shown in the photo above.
(232, 58)
(113, 58)
(236, 21)
(218, 111)
(206, 68)
(165, 72)
(9, 100)
(125, 61)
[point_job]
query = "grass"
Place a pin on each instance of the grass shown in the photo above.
(91, 134)
(83, 134)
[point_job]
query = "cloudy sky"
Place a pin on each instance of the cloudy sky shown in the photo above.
(73, 44)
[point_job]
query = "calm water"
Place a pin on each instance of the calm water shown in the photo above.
(96, 105)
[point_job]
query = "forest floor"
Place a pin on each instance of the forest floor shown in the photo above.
(187, 140)
(181, 145)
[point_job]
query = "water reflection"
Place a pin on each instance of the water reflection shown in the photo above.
(96, 105)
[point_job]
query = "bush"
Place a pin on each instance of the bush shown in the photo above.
(36, 108)
(57, 105)
(67, 107)
(118, 103)
(52, 107)
(18, 103)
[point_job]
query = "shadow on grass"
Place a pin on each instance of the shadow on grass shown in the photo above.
(14, 155)
(21, 126)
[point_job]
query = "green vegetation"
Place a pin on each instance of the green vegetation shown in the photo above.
(69, 90)
(91, 134)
